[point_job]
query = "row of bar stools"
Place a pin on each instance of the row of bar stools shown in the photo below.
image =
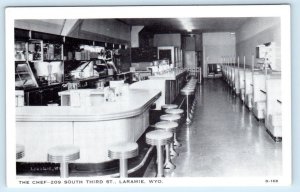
(169, 127)
(176, 112)
(172, 118)
(63, 154)
(193, 84)
(159, 139)
(123, 151)
(60, 154)
(168, 106)
(188, 90)
(20, 151)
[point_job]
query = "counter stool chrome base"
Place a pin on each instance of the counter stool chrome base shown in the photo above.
(168, 165)
(176, 143)
(20, 151)
(188, 121)
(123, 151)
(173, 153)
(176, 112)
(169, 126)
(159, 138)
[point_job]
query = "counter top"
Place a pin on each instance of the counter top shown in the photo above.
(172, 75)
(90, 91)
(135, 103)
(93, 78)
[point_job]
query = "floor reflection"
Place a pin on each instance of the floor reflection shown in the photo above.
(224, 139)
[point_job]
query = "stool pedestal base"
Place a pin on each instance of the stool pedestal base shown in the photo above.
(64, 169)
(168, 163)
(160, 171)
(123, 168)
(173, 153)
(176, 142)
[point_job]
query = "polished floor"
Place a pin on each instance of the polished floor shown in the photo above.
(224, 139)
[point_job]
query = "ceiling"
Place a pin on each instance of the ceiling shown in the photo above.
(187, 25)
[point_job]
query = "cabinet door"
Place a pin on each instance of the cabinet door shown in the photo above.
(50, 95)
(55, 96)
(47, 96)
(34, 98)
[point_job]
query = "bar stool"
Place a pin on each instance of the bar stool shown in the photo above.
(172, 118)
(192, 108)
(168, 106)
(20, 151)
(175, 112)
(187, 92)
(123, 151)
(63, 154)
(169, 127)
(159, 138)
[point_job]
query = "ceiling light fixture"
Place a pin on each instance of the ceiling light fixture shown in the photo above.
(187, 24)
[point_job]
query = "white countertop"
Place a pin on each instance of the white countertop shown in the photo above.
(172, 75)
(90, 91)
(136, 102)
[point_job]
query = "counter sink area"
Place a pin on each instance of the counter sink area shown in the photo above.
(92, 128)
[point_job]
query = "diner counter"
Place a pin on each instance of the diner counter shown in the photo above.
(123, 107)
(92, 128)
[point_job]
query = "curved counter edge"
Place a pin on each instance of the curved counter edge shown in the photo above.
(21, 116)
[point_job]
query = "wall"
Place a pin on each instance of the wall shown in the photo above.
(135, 35)
(189, 43)
(110, 30)
(106, 30)
(198, 38)
(217, 45)
(257, 31)
(167, 40)
(146, 38)
(52, 26)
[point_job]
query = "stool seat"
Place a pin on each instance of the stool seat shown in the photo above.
(189, 87)
(20, 151)
(167, 125)
(63, 153)
(175, 111)
(170, 117)
(123, 150)
(169, 106)
(159, 137)
(187, 91)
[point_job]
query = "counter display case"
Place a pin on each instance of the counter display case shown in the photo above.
(24, 77)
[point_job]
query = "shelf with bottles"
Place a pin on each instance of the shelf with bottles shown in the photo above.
(21, 51)
(83, 52)
(52, 51)
(35, 52)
